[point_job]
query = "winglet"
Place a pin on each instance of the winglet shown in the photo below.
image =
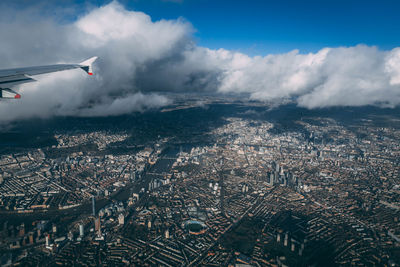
(87, 65)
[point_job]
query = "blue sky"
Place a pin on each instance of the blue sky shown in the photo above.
(262, 27)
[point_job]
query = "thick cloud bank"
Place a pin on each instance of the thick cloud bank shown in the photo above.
(140, 59)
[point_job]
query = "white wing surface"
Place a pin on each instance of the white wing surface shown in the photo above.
(11, 77)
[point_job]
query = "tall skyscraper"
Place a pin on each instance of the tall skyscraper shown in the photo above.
(121, 219)
(97, 225)
(22, 229)
(271, 178)
(31, 238)
(93, 206)
(167, 233)
(81, 230)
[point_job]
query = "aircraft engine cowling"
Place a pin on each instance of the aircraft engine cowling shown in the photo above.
(7, 93)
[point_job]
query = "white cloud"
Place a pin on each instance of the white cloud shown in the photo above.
(345, 76)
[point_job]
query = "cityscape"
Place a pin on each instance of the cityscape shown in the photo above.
(244, 191)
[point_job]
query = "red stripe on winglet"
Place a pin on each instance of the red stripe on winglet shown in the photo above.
(17, 96)
(90, 73)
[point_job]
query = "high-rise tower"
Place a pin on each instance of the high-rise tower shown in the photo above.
(93, 206)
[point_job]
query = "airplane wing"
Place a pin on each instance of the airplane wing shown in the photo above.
(12, 77)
